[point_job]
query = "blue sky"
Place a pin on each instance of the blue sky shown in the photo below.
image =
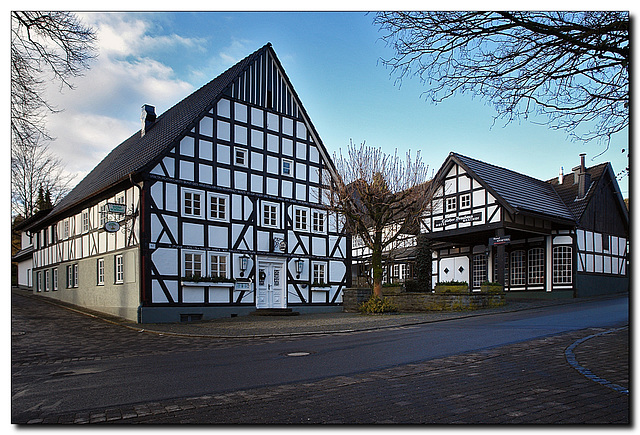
(333, 61)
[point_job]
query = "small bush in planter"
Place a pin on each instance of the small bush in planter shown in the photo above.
(416, 286)
(376, 305)
(452, 287)
(491, 287)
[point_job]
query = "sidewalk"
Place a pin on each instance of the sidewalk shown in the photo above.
(308, 324)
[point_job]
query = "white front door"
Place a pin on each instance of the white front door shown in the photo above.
(272, 282)
(454, 269)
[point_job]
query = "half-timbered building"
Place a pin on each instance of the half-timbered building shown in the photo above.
(567, 236)
(214, 208)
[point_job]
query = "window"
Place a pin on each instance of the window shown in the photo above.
(479, 270)
(218, 266)
(319, 273)
(240, 157)
(69, 276)
(193, 265)
(120, 199)
(192, 203)
(562, 265)
(451, 204)
(75, 275)
(518, 274)
(66, 229)
(300, 219)
(269, 214)
(85, 221)
(218, 207)
(47, 282)
(318, 222)
(54, 279)
(536, 266)
(119, 269)
(465, 201)
(100, 271)
(287, 167)
(103, 215)
(38, 281)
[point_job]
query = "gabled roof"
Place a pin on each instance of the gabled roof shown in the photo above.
(516, 192)
(568, 190)
(138, 152)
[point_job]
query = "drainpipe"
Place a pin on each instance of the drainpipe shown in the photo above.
(140, 245)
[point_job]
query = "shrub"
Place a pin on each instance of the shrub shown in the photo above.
(416, 286)
(376, 305)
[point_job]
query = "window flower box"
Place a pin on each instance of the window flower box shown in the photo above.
(452, 287)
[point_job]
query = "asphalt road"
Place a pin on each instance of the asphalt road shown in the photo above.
(171, 367)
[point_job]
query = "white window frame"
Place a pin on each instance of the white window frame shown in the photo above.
(186, 261)
(300, 218)
(319, 273)
(54, 279)
(190, 211)
(118, 270)
(103, 212)
(218, 256)
(535, 266)
(274, 210)
(38, 281)
(47, 282)
(479, 270)
(66, 229)
(465, 201)
(451, 203)
(85, 221)
(216, 216)
(282, 167)
(245, 157)
(319, 222)
(562, 263)
(70, 276)
(100, 271)
(518, 269)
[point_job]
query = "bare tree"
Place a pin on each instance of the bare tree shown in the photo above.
(381, 198)
(43, 44)
(35, 169)
(570, 67)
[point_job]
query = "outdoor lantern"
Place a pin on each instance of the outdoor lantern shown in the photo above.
(244, 263)
(299, 266)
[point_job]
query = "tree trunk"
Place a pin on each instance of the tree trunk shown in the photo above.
(376, 264)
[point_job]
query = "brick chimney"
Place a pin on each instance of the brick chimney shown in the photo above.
(147, 117)
(581, 177)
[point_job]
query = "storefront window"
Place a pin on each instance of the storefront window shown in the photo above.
(536, 266)
(479, 270)
(562, 265)
(518, 268)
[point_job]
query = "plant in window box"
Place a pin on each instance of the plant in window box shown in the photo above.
(320, 285)
(452, 287)
(204, 280)
(491, 287)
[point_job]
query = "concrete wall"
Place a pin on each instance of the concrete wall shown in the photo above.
(596, 285)
(116, 299)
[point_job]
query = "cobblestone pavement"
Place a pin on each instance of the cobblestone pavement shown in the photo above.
(523, 383)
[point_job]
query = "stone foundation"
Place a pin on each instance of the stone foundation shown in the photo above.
(417, 302)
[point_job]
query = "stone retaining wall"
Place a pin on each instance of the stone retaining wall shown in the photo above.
(416, 302)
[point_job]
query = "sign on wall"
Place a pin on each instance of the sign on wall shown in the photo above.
(457, 220)
(502, 240)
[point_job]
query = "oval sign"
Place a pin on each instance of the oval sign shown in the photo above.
(111, 227)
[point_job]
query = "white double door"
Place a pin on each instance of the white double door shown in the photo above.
(454, 269)
(271, 283)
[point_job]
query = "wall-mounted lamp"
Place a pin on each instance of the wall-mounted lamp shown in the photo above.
(299, 266)
(244, 263)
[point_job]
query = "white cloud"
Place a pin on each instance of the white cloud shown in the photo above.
(104, 107)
